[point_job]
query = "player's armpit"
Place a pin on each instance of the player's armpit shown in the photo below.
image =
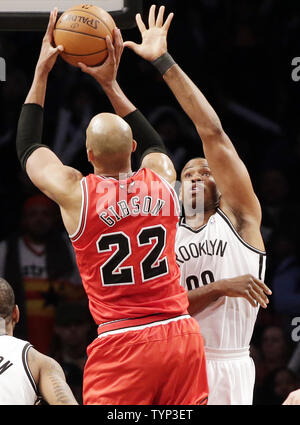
(50, 379)
(47, 173)
(161, 164)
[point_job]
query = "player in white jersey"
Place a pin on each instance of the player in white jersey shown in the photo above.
(219, 238)
(26, 375)
(210, 253)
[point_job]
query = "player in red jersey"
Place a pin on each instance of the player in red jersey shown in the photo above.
(122, 226)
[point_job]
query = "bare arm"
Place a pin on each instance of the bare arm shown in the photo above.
(106, 76)
(50, 379)
(293, 398)
(43, 167)
(246, 286)
(229, 172)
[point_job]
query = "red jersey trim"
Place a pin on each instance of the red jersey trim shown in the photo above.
(83, 213)
(137, 323)
(117, 180)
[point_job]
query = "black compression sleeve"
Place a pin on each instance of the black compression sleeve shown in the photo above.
(147, 138)
(29, 132)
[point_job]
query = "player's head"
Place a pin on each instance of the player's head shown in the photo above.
(109, 143)
(9, 312)
(198, 186)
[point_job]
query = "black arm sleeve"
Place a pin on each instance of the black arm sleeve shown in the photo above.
(147, 138)
(29, 131)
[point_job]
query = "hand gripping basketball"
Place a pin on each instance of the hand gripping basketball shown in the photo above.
(83, 30)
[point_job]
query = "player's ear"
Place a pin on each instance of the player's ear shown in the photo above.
(134, 145)
(15, 315)
(90, 155)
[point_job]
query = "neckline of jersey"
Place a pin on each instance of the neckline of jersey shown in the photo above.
(184, 224)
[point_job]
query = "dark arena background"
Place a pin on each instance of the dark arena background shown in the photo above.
(243, 56)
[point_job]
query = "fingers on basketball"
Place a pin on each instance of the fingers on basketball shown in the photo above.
(82, 30)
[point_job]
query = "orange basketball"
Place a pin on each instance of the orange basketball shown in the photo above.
(82, 31)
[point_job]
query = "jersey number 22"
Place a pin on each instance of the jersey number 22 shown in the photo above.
(151, 266)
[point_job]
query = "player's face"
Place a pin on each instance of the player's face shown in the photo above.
(199, 189)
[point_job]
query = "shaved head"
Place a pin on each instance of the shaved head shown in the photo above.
(7, 299)
(9, 311)
(109, 137)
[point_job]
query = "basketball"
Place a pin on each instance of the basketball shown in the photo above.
(82, 30)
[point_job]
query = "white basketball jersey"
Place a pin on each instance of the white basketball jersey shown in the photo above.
(17, 385)
(216, 251)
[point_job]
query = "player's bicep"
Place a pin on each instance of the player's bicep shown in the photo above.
(161, 164)
(50, 175)
(231, 175)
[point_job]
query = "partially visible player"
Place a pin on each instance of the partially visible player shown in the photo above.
(122, 226)
(219, 238)
(150, 141)
(293, 398)
(26, 375)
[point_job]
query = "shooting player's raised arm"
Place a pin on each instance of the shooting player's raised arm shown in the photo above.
(43, 167)
(151, 152)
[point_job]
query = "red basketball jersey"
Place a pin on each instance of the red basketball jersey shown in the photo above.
(124, 247)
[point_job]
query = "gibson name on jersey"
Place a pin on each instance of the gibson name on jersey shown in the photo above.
(135, 206)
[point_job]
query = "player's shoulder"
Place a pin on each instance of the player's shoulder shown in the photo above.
(153, 175)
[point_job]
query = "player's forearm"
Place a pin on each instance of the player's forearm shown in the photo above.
(52, 381)
(118, 100)
(193, 102)
(37, 92)
(147, 137)
(202, 297)
(57, 391)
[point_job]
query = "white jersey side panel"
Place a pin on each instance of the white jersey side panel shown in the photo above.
(17, 385)
(214, 252)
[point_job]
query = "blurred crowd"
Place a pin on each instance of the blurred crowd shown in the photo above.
(239, 53)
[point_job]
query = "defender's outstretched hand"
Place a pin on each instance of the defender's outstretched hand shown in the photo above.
(49, 53)
(106, 73)
(154, 39)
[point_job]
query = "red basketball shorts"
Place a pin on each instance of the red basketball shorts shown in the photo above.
(152, 364)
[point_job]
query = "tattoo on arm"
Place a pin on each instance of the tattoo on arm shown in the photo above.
(59, 389)
(53, 385)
